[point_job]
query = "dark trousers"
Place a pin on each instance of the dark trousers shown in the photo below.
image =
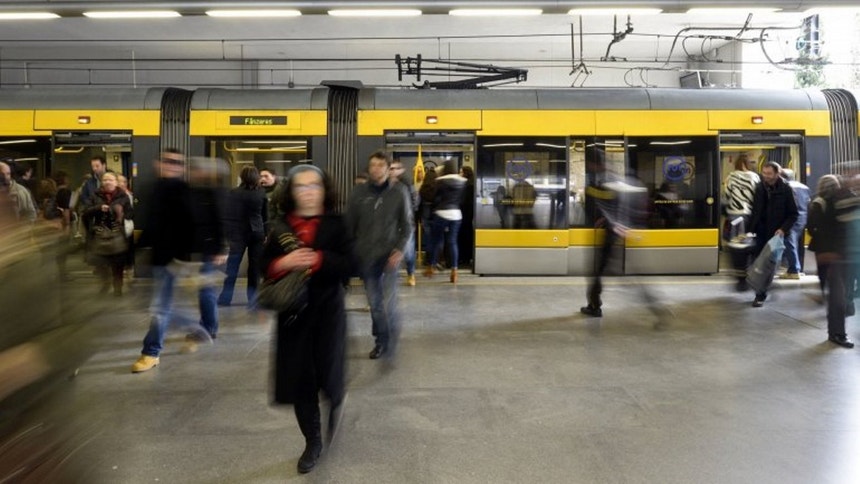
(308, 417)
(595, 285)
(254, 244)
(836, 298)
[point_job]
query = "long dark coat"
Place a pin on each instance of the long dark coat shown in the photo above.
(310, 351)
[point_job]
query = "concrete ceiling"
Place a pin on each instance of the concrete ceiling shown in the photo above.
(322, 43)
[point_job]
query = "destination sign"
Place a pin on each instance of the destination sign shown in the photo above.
(258, 120)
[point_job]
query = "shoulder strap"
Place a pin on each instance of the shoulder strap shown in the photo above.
(289, 242)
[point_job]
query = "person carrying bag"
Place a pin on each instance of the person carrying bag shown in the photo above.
(289, 293)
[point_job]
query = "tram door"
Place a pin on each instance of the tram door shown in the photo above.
(277, 154)
(750, 150)
(27, 151)
(758, 148)
(431, 150)
(73, 150)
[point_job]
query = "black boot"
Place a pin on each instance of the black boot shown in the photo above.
(308, 415)
(310, 456)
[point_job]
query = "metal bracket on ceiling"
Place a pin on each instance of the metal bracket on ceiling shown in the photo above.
(617, 37)
(485, 75)
(579, 70)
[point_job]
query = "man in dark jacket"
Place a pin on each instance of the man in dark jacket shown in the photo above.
(379, 219)
(273, 185)
(183, 224)
(774, 212)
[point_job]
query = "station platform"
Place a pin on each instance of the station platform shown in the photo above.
(499, 379)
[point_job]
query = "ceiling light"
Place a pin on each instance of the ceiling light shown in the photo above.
(731, 10)
(27, 15)
(832, 10)
(133, 14)
(670, 143)
(17, 141)
(375, 12)
(614, 11)
(254, 13)
(495, 12)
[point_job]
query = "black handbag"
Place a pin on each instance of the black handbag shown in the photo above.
(108, 241)
(288, 294)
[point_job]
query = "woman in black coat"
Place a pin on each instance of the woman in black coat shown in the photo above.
(310, 346)
(247, 216)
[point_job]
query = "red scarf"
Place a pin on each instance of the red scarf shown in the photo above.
(109, 196)
(305, 228)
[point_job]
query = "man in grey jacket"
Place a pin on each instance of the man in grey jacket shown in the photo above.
(379, 218)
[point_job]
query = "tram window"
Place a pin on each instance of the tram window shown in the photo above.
(585, 155)
(275, 154)
(680, 174)
(521, 183)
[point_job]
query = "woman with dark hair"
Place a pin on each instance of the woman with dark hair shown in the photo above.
(246, 215)
(426, 194)
(310, 346)
(466, 238)
(447, 217)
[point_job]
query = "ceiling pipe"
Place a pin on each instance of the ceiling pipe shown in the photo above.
(428, 7)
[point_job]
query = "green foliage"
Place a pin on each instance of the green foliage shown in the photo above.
(810, 73)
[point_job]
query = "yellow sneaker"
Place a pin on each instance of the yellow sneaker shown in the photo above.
(144, 363)
(410, 280)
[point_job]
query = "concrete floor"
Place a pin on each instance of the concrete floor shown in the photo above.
(499, 380)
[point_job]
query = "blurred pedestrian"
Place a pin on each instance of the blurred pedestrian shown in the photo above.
(831, 217)
(310, 347)
(379, 219)
(19, 197)
(183, 224)
(819, 229)
(617, 205)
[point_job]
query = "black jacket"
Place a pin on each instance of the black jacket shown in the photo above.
(773, 208)
(310, 353)
(247, 214)
(449, 192)
(183, 221)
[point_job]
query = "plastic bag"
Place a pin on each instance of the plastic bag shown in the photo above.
(761, 272)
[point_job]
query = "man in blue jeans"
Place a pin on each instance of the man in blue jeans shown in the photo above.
(794, 249)
(379, 218)
(184, 223)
